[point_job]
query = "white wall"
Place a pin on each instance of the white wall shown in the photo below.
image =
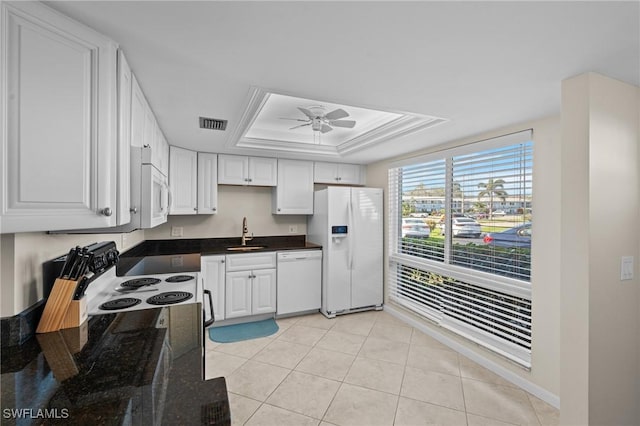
(545, 276)
(234, 203)
(600, 381)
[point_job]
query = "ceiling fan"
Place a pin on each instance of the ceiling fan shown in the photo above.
(323, 122)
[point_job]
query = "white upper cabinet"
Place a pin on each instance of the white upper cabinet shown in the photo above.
(183, 181)
(241, 170)
(59, 145)
(294, 193)
(145, 130)
(123, 215)
(339, 173)
(138, 114)
(207, 183)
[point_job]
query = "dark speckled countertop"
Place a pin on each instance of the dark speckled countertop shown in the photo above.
(141, 367)
(183, 255)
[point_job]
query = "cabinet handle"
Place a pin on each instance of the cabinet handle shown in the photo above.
(195, 209)
(106, 211)
(133, 210)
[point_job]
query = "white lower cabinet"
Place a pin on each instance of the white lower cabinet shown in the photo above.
(213, 272)
(250, 284)
(250, 293)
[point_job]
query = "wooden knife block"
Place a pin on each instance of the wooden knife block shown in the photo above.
(61, 311)
(76, 314)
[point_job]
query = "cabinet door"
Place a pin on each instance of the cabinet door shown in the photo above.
(183, 182)
(263, 291)
(233, 169)
(238, 294)
(349, 174)
(58, 153)
(213, 273)
(164, 154)
(325, 172)
(207, 183)
(123, 215)
(138, 114)
(263, 171)
(294, 193)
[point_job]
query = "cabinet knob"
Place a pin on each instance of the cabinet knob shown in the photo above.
(250, 180)
(222, 261)
(214, 209)
(133, 210)
(195, 209)
(279, 209)
(106, 211)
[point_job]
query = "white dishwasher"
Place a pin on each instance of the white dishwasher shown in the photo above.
(299, 281)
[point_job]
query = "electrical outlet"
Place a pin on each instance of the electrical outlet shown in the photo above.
(626, 268)
(177, 231)
(293, 229)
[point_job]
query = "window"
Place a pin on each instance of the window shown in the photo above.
(470, 271)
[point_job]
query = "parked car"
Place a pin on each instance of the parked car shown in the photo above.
(415, 228)
(499, 213)
(463, 227)
(516, 237)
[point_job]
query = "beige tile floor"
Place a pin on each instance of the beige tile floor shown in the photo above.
(364, 369)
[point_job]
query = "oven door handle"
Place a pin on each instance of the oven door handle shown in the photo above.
(208, 322)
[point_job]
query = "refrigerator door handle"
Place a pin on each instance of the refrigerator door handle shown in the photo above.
(351, 236)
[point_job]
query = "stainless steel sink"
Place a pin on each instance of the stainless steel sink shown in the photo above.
(245, 248)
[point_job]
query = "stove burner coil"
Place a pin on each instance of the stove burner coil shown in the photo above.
(115, 304)
(140, 282)
(169, 298)
(179, 278)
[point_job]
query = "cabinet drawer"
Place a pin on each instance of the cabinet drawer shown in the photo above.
(251, 261)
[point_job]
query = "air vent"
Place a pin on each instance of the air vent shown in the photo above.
(212, 123)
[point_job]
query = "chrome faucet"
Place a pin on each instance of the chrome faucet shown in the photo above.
(245, 231)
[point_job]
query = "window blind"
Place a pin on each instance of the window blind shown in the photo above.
(471, 274)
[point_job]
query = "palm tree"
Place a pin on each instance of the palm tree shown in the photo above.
(492, 188)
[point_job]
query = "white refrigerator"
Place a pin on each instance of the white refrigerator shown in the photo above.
(347, 222)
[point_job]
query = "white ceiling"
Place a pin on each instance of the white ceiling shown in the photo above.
(481, 65)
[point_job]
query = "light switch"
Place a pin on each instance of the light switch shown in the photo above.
(293, 229)
(626, 268)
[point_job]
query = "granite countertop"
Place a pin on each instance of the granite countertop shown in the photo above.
(140, 367)
(208, 246)
(183, 255)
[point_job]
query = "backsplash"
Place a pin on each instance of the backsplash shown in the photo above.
(234, 203)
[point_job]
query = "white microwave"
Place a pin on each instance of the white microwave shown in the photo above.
(149, 191)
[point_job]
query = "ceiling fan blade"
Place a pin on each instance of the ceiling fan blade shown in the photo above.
(307, 112)
(301, 125)
(343, 123)
(325, 128)
(294, 119)
(336, 114)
